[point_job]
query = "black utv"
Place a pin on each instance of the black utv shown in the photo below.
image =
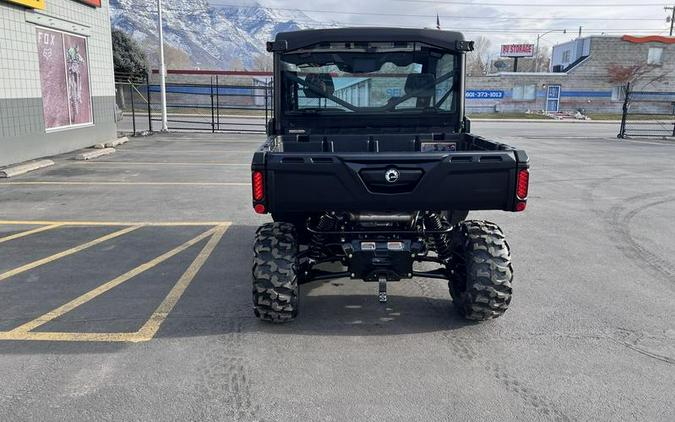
(369, 164)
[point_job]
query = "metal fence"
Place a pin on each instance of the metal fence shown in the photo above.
(210, 102)
(133, 97)
(647, 114)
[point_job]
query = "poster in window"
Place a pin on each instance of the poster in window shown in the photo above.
(77, 79)
(64, 78)
(53, 78)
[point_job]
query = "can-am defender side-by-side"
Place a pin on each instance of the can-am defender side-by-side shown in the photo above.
(369, 163)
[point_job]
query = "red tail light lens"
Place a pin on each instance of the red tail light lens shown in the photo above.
(258, 186)
(523, 184)
(260, 209)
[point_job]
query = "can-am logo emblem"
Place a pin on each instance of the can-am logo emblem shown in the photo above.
(392, 175)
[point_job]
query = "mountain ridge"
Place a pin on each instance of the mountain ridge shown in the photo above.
(211, 37)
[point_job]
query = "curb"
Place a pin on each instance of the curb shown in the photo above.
(24, 168)
(95, 154)
(577, 122)
(117, 142)
(112, 144)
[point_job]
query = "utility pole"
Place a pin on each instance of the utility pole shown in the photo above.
(580, 28)
(162, 69)
(672, 17)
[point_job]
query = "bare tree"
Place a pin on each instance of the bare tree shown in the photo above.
(542, 61)
(630, 77)
(477, 62)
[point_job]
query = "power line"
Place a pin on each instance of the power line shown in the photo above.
(492, 18)
(555, 5)
(511, 30)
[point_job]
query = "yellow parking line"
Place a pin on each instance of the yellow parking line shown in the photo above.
(151, 327)
(165, 163)
(94, 337)
(83, 183)
(61, 310)
(65, 253)
(204, 152)
(114, 223)
(29, 232)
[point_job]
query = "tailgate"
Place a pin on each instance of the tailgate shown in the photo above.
(391, 181)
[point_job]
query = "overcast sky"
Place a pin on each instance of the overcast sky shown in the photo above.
(502, 21)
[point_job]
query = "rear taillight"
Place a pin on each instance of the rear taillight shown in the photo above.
(258, 186)
(522, 187)
(523, 184)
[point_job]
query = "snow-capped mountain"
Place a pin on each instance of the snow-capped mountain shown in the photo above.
(212, 37)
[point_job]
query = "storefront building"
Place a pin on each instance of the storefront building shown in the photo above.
(579, 79)
(57, 91)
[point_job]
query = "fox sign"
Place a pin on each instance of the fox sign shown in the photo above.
(517, 50)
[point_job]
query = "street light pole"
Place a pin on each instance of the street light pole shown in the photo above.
(162, 69)
(536, 53)
(672, 18)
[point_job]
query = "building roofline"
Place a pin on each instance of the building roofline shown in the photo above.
(528, 74)
(648, 38)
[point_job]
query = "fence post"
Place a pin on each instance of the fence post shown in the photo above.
(147, 87)
(213, 126)
(624, 116)
(133, 107)
(217, 103)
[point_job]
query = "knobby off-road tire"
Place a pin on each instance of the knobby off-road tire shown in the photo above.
(481, 283)
(275, 279)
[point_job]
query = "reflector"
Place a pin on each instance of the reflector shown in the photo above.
(523, 184)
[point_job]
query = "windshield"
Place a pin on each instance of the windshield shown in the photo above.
(369, 78)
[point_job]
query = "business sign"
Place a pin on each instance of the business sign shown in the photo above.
(483, 94)
(517, 50)
(33, 4)
(64, 79)
(94, 3)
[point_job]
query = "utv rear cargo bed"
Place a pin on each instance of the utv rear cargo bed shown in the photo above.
(310, 174)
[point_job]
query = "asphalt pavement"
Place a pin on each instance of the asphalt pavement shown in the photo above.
(125, 296)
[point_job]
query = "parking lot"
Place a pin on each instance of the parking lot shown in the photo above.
(125, 295)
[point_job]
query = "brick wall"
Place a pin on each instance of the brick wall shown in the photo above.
(586, 86)
(23, 135)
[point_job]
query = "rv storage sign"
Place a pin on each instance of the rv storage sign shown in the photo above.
(517, 50)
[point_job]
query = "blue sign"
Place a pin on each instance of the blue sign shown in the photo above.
(484, 94)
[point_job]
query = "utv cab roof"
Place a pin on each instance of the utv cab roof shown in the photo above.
(289, 41)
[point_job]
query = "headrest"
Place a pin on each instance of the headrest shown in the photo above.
(420, 85)
(321, 82)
